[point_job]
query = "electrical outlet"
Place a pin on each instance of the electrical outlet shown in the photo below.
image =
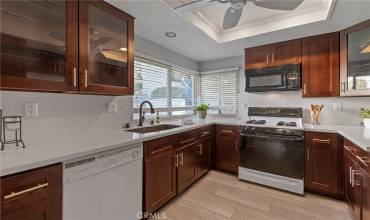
(337, 107)
(112, 107)
(31, 109)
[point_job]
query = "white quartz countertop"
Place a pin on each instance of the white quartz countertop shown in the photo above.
(54, 150)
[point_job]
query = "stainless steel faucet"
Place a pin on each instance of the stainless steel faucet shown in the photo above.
(142, 114)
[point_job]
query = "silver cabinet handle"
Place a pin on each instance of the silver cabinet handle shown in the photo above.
(308, 155)
(267, 58)
(363, 160)
(236, 146)
(14, 194)
(272, 58)
(74, 76)
(355, 172)
(350, 175)
(188, 140)
(181, 160)
(304, 89)
(226, 131)
(177, 160)
(200, 149)
(85, 78)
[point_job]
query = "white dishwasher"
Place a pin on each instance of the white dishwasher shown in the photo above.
(104, 186)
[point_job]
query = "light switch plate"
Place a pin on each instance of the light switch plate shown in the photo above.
(31, 109)
(337, 107)
(112, 107)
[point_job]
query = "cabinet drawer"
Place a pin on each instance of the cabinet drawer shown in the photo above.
(187, 137)
(159, 146)
(29, 187)
(358, 154)
(230, 130)
(204, 132)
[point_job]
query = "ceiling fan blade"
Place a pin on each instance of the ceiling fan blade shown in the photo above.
(231, 18)
(278, 4)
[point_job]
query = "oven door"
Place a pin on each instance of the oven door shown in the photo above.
(273, 154)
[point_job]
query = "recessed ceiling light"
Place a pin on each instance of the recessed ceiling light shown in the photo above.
(123, 49)
(170, 34)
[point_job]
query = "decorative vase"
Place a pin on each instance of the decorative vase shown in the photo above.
(202, 114)
(367, 123)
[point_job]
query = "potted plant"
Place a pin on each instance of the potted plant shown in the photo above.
(365, 115)
(202, 110)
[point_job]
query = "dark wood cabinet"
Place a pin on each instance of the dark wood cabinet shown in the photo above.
(35, 194)
(227, 148)
(106, 42)
(356, 163)
(66, 46)
(355, 60)
(287, 52)
(160, 172)
(39, 46)
(322, 163)
(188, 163)
(320, 65)
(204, 150)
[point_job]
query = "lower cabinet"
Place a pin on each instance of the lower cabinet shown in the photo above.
(173, 163)
(32, 195)
(356, 164)
(322, 163)
(227, 148)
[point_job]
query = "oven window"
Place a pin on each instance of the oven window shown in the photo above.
(281, 157)
(261, 81)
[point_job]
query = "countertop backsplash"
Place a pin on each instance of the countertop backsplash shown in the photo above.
(348, 115)
(65, 114)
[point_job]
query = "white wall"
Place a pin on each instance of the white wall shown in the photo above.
(65, 114)
(348, 116)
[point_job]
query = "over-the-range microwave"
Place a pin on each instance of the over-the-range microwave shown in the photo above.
(276, 78)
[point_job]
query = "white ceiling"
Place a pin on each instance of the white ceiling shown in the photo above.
(154, 18)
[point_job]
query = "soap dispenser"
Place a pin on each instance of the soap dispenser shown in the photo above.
(157, 118)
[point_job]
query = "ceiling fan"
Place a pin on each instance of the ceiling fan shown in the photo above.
(234, 12)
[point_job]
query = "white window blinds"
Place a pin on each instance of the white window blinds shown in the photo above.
(171, 90)
(220, 90)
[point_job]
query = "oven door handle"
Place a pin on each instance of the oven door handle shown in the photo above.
(273, 137)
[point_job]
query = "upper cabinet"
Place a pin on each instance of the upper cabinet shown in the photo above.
(106, 49)
(320, 65)
(355, 60)
(39, 45)
(66, 46)
(288, 52)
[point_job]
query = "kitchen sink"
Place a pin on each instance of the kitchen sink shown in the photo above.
(153, 128)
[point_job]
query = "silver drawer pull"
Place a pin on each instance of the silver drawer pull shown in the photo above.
(363, 160)
(14, 194)
(186, 141)
(226, 131)
(200, 149)
(205, 133)
(321, 141)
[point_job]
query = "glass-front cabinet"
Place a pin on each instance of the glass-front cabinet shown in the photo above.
(106, 41)
(355, 60)
(38, 48)
(66, 46)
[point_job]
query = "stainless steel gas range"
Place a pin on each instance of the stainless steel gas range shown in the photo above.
(271, 150)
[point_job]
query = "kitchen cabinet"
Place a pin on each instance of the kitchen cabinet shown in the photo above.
(287, 52)
(35, 194)
(187, 163)
(322, 163)
(357, 180)
(320, 65)
(160, 172)
(66, 46)
(39, 45)
(227, 147)
(204, 151)
(355, 60)
(106, 42)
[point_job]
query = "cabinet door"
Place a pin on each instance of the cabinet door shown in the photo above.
(355, 60)
(288, 52)
(47, 209)
(322, 162)
(106, 49)
(226, 149)
(204, 156)
(365, 194)
(320, 65)
(38, 48)
(347, 174)
(257, 57)
(188, 160)
(160, 180)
